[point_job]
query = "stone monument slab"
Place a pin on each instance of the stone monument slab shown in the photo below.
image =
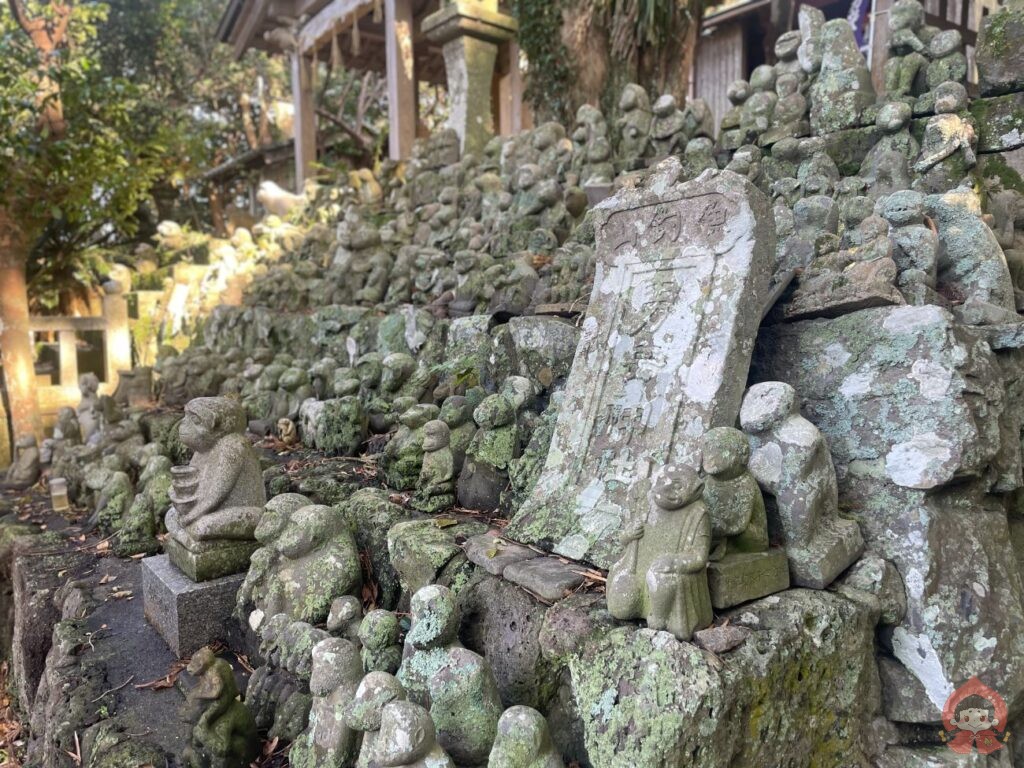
(188, 615)
(745, 576)
(682, 276)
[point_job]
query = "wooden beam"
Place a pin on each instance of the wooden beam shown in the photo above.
(401, 73)
(332, 20)
(250, 24)
(304, 120)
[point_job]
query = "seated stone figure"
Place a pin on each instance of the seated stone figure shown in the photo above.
(791, 461)
(275, 519)
(224, 734)
(328, 742)
(408, 739)
(24, 470)
(949, 144)
(524, 741)
(742, 567)
(364, 711)
(455, 684)
(436, 488)
(662, 574)
(318, 562)
(218, 498)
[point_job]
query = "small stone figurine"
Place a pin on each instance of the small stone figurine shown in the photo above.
(328, 742)
(224, 734)
(456, 684)
(436, 488)
(408, 739)
(524, 741)
(948, 148)
(731, 493)
(364, 712)
(24, 470)
(662, 574)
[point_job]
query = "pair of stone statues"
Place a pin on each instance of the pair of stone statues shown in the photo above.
(705, 542)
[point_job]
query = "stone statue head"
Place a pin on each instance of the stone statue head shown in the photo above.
(494, 411)
(523, 736)
(676, 487)
(436, 435)
(25, 441)
(308, 529)
(738, 92)
(344, 611)
(208, 419)
(519, 390)
(201, 661)
(375, 691)
(763, 78)
(369, 368)
(725, 452)
(406, 735)
(903, 208)
(88, 383)
(419, 414)
(276, 515)
(378, 630)
(906, 14)
(435, 618)
(766, 405)
(335, 662)
(944, 43)
(950, 97)
(527, 177)
(455, 411)
(397, 368)
(155, 465)
(787, 44)
(787, 84)
(665, 106)
(893, 116)
(634, 96)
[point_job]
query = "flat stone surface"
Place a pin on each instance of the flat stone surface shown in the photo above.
(742, 577)
(214, 561)
(546, 577)
(188, 615)
(494, 554)
(681, 278)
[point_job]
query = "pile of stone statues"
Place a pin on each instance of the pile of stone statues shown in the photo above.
(564, 334)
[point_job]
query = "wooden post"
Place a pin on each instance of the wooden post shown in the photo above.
(15, 336)
(403, 110)
(67, 342)
(880, 42)
(305, 119)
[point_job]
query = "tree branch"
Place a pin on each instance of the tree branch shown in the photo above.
(21, 16)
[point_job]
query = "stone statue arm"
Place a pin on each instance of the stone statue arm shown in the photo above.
(231, 457)
(907, 38)
(947, 145)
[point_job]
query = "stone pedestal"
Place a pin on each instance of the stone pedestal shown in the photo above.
(470, 31)
(742, 577)
(211, 560)
(188, 615)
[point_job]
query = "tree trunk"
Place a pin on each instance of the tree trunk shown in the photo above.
(15, 338)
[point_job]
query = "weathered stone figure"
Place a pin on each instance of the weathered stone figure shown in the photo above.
(408, 739)
(24, 470)
(328, 742)
(364, 711)
(668, 135)
(523, 741)
(378, 633)
(224, 734)
(218, 498)
(948, 147)
(634, 127)
(886, 166)
(791, 461)
(662, 574)
(436, 488)
(88, 406)
(731, 494)
(915, 246)
(455, 684)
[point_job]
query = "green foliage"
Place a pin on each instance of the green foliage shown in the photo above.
(540, 36)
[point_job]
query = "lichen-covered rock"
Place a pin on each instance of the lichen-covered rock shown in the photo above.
(802, 690)
(910, 403)
(429, 551)
(371, 515)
